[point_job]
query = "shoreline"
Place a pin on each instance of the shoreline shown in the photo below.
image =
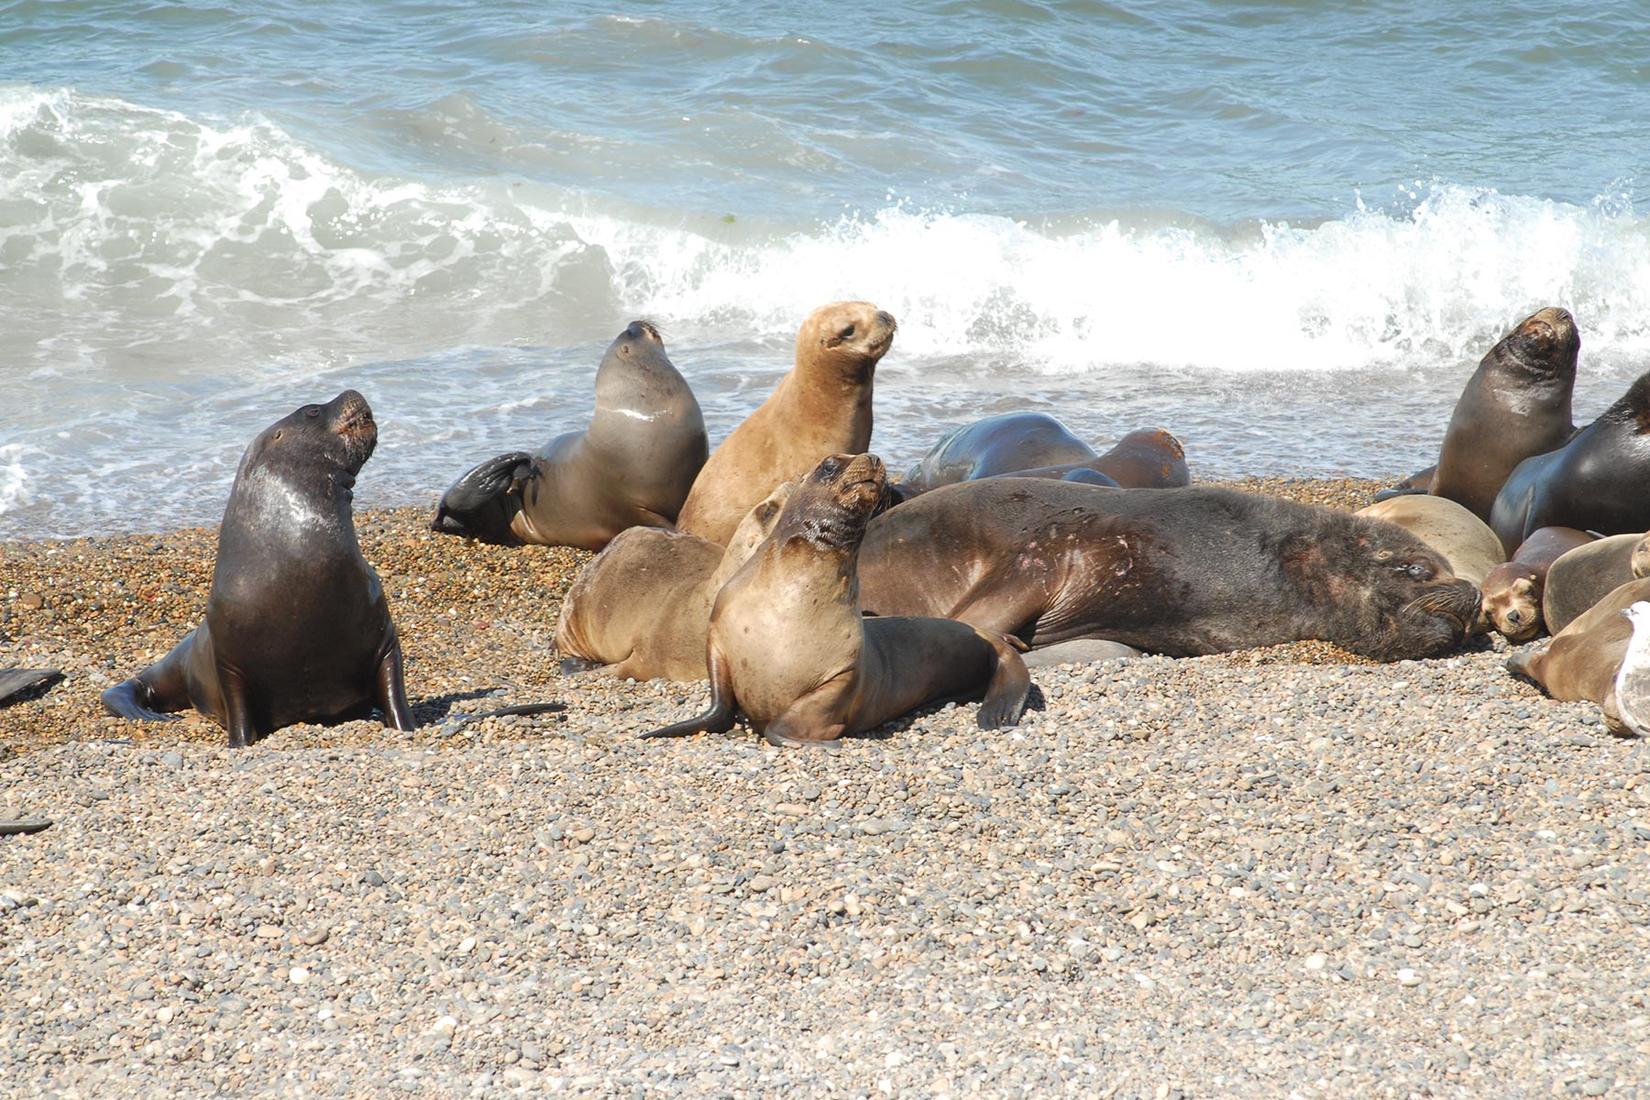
(1191, 877)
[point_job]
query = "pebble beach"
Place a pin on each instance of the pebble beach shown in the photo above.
(1285, 872)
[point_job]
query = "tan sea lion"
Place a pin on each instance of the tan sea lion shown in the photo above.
(1466, 541)
(1581, 661)
(1516, 404)
(1579, 578)
(632, 467)
(297, 628)
(1596, 481)
(821, 407)
(1513, 590)
(1034, 444)
(790, 647)
(1181, 572)
(642, 606)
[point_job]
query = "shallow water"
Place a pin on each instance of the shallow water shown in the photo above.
(1281, 230)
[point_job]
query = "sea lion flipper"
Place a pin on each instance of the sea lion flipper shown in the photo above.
(1006, 692)
(479, 505)
(237, 716)
(1399, 491)
(131, 699)
(390, 690)
(718, 718)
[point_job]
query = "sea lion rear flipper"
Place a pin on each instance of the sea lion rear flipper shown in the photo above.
(390, 690)
(1008, 688)
(719, 717)
(479, 505)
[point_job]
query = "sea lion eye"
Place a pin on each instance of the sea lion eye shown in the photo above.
(1418, 570)
(276, 436)
(312, 411)
(846, 333)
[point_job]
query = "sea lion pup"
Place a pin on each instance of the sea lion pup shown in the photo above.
(790, 648)
(1595, 482)
(296, 627)
(1512, 591)
(1581, 661)
(1516, 404)
(1581, 577)
(1466, 541)
(632, 467)
(1033, 444)
(1181, 572)
(821, 407)
(642, 606)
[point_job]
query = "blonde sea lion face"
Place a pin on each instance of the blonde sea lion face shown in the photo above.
(852, 334)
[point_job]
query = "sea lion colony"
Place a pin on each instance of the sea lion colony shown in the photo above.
(821, 599)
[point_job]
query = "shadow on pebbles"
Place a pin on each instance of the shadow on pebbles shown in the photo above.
(1259, 874)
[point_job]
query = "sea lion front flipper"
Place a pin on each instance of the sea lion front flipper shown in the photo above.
(132, 699)
(153, 694)
(389, 692)
(1008, 688)
(237, 710)
(719, 717)
(481, 503)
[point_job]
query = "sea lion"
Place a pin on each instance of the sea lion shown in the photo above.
(642, 606)
(1581, 661)
(632, 467)
(1180, 572)
(790, 647)
(1033, 444)
(1596, 481)
(1516, 404)
(822, 406)
(297, 628)
(1512, 591)
(1579, 578)
(1466, 541)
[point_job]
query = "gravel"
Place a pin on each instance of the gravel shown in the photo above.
(1264, 874)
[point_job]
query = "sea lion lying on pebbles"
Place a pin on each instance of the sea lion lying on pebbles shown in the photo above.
(1581, 577)
(790, 647)
(1031, 444)
(297, 628)
(821, 407)
(1581, 661)
(632, 467)
(642, 606)
(1513, 590)
(1173, 571)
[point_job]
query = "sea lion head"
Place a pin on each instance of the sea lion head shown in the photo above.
(336, 438)
(1546, 342)
(830, 508)
(1512, 600)
(1374, 588)
(850, 337)
(636, 357)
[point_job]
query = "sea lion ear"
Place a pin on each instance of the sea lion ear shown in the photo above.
(1383, 555)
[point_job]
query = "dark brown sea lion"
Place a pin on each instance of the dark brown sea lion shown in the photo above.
(1174, 571)
(790, 648)
(821, 407)
(632, 467)
(1581, 577)
(1598, 481)
(1581, 661)
(296, 627)
(1513, 590)
(1516, 404)
(642, 606)
(1033, 444)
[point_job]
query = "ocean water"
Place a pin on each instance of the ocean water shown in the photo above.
(1284, 230)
